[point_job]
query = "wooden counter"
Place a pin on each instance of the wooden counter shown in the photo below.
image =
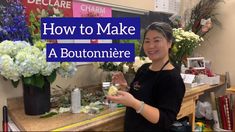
(107, 120)
(66, 121)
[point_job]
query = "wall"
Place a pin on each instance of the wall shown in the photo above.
(139, 4)
(219, 45)
(187, 5)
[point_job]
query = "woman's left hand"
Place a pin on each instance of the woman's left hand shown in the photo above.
(124, 98)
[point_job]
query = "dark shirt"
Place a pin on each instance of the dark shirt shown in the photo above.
(161, 89)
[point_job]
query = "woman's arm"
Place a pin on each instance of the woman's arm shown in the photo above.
(151, 113)
(125, 98)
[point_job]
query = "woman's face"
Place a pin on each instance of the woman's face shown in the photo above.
(155, 45)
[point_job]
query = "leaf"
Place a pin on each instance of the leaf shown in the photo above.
(52, 77)
(39, 81)
(15, 83)
(50, 114)
(32, 17)
(28, 80)
(5, 79)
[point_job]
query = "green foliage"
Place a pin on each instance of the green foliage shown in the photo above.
(52, 77)
(136, 43)
(49, 114)
(34, 20)
(111, 66)
(15, 83)
(38, 80)
(34, 27)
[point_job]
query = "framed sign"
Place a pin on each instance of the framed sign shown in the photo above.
(167, 6)
(196, 62)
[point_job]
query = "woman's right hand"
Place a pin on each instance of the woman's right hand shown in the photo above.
(119, 78)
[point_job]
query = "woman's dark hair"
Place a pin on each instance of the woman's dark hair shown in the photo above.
(164, 28)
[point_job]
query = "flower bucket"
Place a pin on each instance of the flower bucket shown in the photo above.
(36, 100)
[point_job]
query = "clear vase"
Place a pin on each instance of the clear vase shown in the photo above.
(107, 76)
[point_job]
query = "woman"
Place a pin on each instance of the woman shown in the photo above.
(156, 93)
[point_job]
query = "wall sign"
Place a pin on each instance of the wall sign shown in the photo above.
(168, 6)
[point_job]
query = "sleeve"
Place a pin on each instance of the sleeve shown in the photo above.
(169, 100)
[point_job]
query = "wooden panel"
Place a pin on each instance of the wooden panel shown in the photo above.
(186, 109)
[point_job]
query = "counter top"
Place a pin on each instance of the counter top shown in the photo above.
(105, 120)
(60, 122)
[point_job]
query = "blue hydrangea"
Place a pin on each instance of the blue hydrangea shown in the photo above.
(13, 24)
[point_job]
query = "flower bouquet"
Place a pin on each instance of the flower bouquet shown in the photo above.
(184, 44)
(21, 61)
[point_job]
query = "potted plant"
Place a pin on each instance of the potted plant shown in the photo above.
(19, 61)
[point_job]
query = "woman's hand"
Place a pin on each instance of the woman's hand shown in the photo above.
(124, 98)
(119, 78)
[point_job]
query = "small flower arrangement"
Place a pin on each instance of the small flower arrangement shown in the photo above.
(185, 43)
(110, 66)
(133, 67)
(20, 60)
(191, 27)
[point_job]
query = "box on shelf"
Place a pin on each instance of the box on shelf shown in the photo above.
(209, 80)
(190, 80)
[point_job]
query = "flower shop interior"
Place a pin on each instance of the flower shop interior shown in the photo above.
(203, 51)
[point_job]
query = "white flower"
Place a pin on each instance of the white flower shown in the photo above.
(67, 69)
(125, 68)
(138, 63)
(7, 47)
(116, 63)
(48, 67)
(8, 69)
(147, 60)
(20, 59)
(29, 61)
(186, 40)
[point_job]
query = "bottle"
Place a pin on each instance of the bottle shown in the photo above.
(105, 87)
(76, 100)
(5, 119)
